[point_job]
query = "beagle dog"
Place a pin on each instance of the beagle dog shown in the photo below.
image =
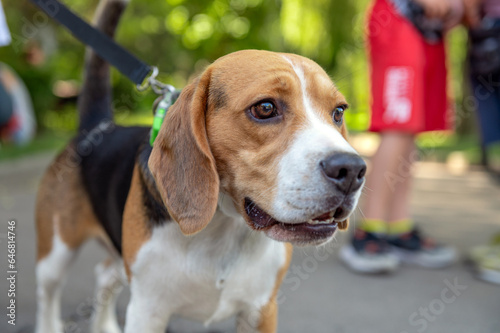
(251, 159)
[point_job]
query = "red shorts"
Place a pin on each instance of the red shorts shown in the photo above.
(408, 75)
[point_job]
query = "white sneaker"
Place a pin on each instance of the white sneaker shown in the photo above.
(486, 262)
(412, 248)
(368, 253)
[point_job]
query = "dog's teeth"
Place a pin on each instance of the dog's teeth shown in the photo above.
(331, 220)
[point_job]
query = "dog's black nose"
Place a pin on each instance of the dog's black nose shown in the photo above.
(347, 171)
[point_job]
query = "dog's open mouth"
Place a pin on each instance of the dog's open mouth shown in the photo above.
(314, 230)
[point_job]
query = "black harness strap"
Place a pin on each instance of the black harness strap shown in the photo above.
(105, 47)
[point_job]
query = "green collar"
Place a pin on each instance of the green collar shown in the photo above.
(161, 111)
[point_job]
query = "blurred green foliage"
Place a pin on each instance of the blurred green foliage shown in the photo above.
(181, 37)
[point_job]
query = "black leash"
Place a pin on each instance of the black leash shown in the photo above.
(105, 47)
(124, 61)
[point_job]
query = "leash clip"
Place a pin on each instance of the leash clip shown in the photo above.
(158, 87)
(165, 102)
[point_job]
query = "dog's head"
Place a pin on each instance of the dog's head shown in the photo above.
(266, 129)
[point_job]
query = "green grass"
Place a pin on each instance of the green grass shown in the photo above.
(46, 141)
(60, 126)
(437, 146)
(467, 146)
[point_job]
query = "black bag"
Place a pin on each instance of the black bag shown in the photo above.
(430, 29)
(484, 50)
(6, 105)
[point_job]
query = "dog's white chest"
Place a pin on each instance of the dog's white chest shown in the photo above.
(223, 270)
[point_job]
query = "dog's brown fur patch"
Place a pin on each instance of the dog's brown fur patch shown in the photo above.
(269, 313)
(63, 205)
(135, 223)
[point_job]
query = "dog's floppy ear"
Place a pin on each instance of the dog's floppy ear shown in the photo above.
(182, 163)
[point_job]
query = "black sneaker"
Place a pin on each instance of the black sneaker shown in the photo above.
(368, 253)
(413, 248)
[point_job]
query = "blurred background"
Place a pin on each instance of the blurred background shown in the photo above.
(454, 198)
(182, 37)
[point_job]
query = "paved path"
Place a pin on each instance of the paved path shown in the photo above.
(319, 295)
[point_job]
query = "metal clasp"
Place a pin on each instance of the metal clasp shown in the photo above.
(158, 87)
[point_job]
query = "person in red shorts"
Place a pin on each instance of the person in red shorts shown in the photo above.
(409, 96)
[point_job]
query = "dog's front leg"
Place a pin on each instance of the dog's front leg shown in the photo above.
(147, 311)
(264, 319)
(259, 320)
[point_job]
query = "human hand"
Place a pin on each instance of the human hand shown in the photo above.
(438, 9)
(456, 14)
(472, 12)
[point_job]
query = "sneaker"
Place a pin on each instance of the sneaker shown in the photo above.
(413, 248)
(485, 261)
(368, 253)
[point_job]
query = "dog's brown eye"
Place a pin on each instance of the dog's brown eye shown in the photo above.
(338, 115)
(264, 110)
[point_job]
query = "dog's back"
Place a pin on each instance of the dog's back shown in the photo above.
(82, 194)
(101, 156)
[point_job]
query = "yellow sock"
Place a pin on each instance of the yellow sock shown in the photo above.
(399, 227)
(374, 226)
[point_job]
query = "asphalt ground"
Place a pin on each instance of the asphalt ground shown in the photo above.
(319, 294)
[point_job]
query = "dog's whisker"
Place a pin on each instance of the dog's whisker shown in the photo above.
(367, 188)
